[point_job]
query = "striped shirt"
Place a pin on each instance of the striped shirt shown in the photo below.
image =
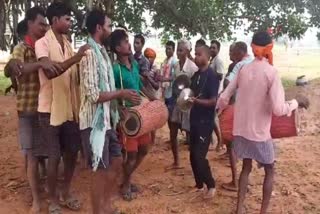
(89, 88)
(28, 84)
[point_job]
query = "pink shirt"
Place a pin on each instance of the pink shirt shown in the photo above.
(259, 94)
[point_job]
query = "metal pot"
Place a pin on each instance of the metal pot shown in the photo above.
(182, 101)
(301, 81)
(180, 83)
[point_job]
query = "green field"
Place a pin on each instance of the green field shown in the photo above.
(4, 82)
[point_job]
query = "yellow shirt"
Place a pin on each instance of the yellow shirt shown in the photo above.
(58, 96)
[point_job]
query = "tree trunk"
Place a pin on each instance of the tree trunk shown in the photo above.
(109, 4)
(89, 5)
(14, 13)
(2, 26)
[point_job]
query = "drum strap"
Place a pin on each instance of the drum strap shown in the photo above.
(121, 83)
(203, 86)
(124, 138)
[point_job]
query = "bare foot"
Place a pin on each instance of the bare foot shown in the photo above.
(230, 186)
(197, 190)
(174, 167)
(84, 164)
(70, 202)
(196, 193)
(35, 209)
(210, 194)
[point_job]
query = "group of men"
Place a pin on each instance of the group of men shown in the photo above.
(67, 101)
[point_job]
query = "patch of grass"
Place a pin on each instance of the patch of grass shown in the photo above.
(288, 83)
(4, 83)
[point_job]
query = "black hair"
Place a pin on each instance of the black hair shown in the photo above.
(33, 12)
(261, 38)
(31, 15)
(200, 42)
(57, 9)
(141, 37)
(94, 18)
(171, 44)
(122, 27)
(217, 43)
(206, 48)
(22, 29)
(116, 38)
(241, 46)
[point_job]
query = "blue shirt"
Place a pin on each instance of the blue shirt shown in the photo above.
(238, 67)
(205, 85)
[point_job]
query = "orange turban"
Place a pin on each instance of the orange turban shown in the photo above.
(150, 53)
(263, 51)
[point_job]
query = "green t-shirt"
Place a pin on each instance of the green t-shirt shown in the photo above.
(130, 78)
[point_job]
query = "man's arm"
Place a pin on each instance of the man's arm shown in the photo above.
(13, 68)
(165, 79)
(205, 102)
(280, 106)
(42, 53)
(147, 93)
(233, 74)
(155, 84)
(88, 68)
(224, 98)
(64, 66)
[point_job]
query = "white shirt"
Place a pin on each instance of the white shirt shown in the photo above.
(189, 68)
(217, 65)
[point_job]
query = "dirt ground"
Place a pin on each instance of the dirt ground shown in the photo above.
(297, 181)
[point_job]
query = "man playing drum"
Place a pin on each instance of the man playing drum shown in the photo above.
(259, 94)
(126, 74)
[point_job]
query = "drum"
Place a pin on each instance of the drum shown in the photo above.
(280, 126)
(147, 117)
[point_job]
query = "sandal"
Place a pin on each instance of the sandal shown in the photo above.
(71, 203)
(32, 211)
(173, 167)
(128, 196)
(54, 209)
(134, 188)
(116, 211)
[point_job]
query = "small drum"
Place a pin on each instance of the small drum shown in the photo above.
(147, 117)
(280, 126)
